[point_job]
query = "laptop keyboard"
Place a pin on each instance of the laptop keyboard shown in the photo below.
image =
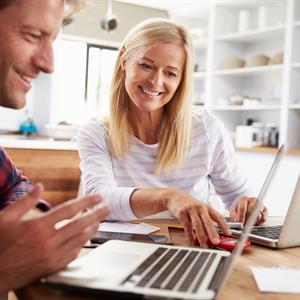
(271, 232)
(172, 269)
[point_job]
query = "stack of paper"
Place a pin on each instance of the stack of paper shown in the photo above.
(141, 228)
(277, 280)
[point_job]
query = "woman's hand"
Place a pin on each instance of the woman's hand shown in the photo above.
(244, 207)
(196, 217)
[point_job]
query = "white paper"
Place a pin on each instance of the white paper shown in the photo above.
(140, 228)
(277, 279)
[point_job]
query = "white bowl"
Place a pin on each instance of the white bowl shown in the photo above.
(61, 132)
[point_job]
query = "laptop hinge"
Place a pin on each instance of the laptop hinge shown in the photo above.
(219, 274)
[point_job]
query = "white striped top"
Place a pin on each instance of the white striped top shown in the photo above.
(210, 159)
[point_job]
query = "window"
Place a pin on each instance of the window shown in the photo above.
(99, 74)
(81, 81)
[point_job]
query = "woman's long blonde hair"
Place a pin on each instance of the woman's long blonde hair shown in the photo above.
(175, 134)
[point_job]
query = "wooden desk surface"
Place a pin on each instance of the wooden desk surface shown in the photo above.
(240, 284)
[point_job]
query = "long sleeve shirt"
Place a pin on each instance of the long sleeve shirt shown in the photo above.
(210, 160)
(13, 184)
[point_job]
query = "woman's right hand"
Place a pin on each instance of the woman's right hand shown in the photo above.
(196, 217)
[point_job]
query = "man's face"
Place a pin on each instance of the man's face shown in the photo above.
(27, 31)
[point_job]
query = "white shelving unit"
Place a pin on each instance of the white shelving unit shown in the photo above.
(272, 32)
(294, 106)
(199, 75)
(249, 70)
(276, 85)
(200, 43)
(247, 108)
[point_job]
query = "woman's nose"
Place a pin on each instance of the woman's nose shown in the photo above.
(157, 79)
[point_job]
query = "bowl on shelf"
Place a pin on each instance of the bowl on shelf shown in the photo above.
(61, 131)
(233, 63)
(258, 60)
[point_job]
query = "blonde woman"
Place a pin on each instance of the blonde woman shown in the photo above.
(154, 154)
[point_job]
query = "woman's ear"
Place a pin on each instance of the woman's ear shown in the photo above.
(123, 63)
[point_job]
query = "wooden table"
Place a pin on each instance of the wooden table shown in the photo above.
(240, 284)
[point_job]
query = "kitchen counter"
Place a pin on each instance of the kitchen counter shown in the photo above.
(267, 150)
(23, 142)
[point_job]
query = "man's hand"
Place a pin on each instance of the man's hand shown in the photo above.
(33, 248)
(197, 218)
(244, 207)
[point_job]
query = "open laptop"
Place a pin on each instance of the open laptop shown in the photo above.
(147, 270)
(280, 236)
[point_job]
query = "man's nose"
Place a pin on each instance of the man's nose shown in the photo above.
(43, 59)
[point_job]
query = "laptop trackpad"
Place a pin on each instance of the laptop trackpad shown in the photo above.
(103, 267)
(115, 260)
(110, 263)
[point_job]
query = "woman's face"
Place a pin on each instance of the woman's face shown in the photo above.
(152, 80)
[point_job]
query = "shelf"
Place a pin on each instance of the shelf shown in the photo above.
(255, 35)
(249, 70)
(294, 106)
(296, 65)
(200, 43)
(199, 75)
(245, 108)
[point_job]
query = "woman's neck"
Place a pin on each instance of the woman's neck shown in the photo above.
(146, 126)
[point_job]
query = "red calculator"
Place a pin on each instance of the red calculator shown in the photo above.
(228, 243)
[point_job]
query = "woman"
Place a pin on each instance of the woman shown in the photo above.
(154, 154)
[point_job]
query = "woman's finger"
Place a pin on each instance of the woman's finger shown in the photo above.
(233, 214)
(242, 210)
(218, 218)
(263, 217)
(187, 226)
(210, 229)
(250, 206)
(199, 229)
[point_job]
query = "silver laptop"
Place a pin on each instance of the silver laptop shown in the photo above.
(157, 271)
(280, 236)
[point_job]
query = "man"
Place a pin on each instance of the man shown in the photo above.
(31, 248)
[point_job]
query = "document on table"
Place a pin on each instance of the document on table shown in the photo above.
(277, 279)
(141, 228)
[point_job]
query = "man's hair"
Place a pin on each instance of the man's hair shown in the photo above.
(71, 7)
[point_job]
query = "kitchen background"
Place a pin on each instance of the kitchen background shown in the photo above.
(246, 73)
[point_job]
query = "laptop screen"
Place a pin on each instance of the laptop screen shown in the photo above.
(254, 214)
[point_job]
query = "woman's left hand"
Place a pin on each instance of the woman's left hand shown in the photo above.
(244, 207)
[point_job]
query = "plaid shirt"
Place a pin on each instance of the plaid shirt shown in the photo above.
(13, 184)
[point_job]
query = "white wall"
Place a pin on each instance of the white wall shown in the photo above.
(256, 166)
(86, 27)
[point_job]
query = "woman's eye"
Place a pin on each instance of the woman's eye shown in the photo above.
(172, 74)
(145, 66)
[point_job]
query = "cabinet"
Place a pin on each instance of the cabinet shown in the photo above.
(57, 170)
(251, 32)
